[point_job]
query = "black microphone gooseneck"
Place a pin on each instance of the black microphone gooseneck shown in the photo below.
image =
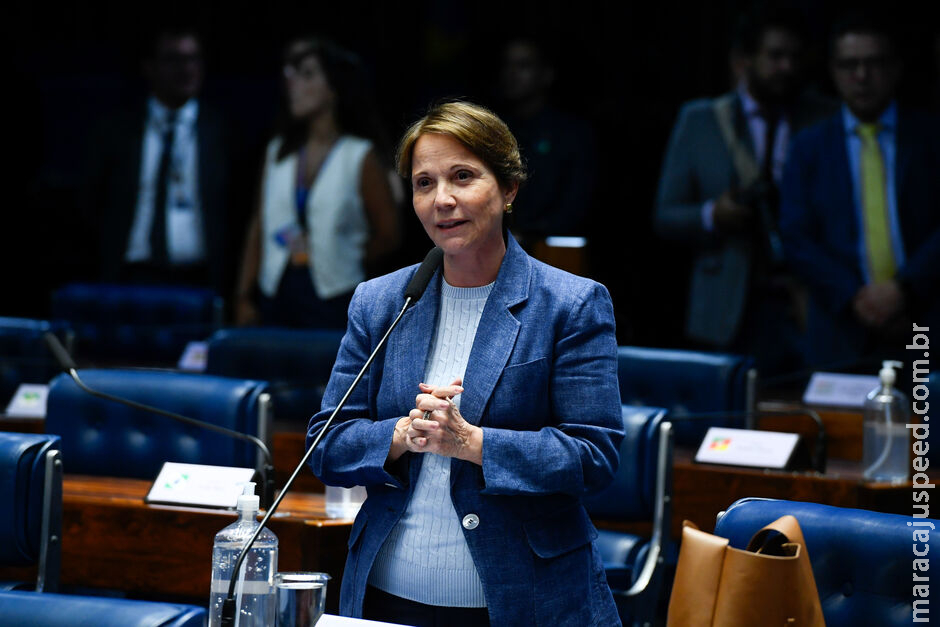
(68, 365)
(414, 290)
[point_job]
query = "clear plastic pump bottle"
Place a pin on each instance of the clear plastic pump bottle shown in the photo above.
(886, 448)
(255, 593)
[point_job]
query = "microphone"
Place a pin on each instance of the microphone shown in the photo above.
(68, 365)
(413, 292)
(419, 282)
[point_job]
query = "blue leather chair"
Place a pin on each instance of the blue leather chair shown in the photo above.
(24, 357)
(295, 362)
(138, 323)
(862, 560)
(28, 609)
(101, 437)
(641, 491)
(688, 383)
(31, 513)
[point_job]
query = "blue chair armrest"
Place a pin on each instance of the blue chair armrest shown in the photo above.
(32, 609)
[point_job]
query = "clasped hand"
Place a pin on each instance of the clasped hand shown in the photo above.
(436, 426)
(876, 304)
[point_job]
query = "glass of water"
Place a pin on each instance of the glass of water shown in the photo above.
(301, 598)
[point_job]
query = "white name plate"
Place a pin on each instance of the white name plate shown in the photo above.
(29, 401)
(839, 390)
(742, 447)
(195, 357)
(199, 485)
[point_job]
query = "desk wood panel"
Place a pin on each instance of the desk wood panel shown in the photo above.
(288, 448)
(843, 428)
(22, 425)
(701, 491)
(112, 539)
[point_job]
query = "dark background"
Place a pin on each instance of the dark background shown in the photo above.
(626, 67)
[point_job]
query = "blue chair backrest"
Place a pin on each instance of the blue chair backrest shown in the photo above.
(136, 321)
(24, 357)
(640, 491)
(630, 496)
(101, 437)
(862, 560)
(685, 382)
(28, 609)
(30, 503)
(296, 363)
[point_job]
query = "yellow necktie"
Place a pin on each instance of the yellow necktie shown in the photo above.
(875, 206)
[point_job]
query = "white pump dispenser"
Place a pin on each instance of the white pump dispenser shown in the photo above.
(886, 449)
(248, 500)
(255, 594)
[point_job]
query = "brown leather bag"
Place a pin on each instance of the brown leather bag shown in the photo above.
(769, 584)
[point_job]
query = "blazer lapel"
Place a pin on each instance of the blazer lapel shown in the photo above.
(127, 161)
(743, 130)
(842, 180)
(406, 354)
(496, 334)
(904, 147)
(408, 346)
(210, 144)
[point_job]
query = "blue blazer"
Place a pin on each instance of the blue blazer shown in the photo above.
(820, 227)
(542, 383)
(698, 166)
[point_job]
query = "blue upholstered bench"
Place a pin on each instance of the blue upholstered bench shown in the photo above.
(24, 357)
(688, 382)
(862, 560)
(100, 437)
(31, 511)
(641, 491)
(33, 609)
(136, 323)
(295, 362)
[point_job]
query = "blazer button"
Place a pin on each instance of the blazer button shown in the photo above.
(471, 521)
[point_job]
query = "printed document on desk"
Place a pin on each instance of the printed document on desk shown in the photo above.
(199, 485)
(743, 447)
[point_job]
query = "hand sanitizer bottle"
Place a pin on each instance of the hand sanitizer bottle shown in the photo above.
(255, 593)
(886, 447)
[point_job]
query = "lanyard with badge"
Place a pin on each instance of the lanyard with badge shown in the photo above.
(295, 235)
(181, 192)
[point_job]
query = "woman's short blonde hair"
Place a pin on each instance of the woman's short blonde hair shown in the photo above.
(477, 128)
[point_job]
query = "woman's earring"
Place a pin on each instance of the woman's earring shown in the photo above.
(508, 207)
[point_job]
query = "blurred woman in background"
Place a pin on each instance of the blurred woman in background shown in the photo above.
(326, 207)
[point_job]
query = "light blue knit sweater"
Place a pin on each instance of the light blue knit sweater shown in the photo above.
(425, 557)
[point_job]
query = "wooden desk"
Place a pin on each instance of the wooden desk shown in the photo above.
(16, 424)
(106, 522)
(112, 539)
(843, 427)
(701, 491)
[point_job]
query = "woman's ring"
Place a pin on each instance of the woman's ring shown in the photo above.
(427, 414)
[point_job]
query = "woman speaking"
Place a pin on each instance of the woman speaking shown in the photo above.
(493, 408)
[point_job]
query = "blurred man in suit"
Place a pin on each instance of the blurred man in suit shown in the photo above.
(159, 176)
(860, 211)
(718, 192)
(558, 147)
